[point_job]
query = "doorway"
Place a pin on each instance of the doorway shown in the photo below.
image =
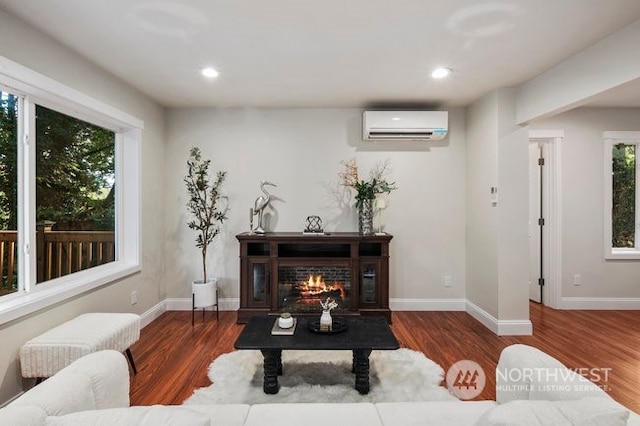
(545, 253)
(537, 232)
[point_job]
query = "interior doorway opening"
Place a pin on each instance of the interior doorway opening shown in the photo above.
(545, 237)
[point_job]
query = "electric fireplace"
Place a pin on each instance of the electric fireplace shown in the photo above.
(292, 272)
(301, 288)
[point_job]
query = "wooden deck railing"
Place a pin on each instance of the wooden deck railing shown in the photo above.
(59, 253)
(8, 257)
(64, 252)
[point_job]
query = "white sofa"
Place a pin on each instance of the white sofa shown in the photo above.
(94, 390)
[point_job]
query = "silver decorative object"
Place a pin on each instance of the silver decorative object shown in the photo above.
(365, 217)
(260, 204)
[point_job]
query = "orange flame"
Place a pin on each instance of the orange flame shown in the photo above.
(316, 285)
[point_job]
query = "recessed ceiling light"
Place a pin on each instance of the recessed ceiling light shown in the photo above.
(441, 72)
(209, 72)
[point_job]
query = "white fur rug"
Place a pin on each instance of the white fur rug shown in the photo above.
(323, 376)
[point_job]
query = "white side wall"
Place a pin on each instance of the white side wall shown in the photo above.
(482, 215)
(513, 212)
(300, 150)
(31, 48)
(497, 229)
(582, 207)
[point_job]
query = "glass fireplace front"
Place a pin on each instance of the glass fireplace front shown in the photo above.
(302, 288)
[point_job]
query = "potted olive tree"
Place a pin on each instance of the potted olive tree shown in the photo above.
(208, 208)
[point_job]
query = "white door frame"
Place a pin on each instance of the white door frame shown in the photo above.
(552, 209)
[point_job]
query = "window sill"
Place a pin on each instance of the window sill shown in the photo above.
(15, 306)
(622, 255)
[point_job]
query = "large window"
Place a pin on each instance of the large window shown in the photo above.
(75, 177)
(621, 195)
(69, 192)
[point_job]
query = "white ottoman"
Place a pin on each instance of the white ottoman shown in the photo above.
(48, 353)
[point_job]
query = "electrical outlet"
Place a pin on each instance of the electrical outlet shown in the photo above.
(577, 280)
(134, 297)
(447, 281)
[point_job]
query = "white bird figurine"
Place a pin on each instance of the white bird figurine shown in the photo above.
(261, 203)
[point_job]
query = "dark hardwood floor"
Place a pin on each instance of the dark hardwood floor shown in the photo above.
(173, 357)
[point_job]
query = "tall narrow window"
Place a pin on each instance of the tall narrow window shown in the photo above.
(8, 193)
(75, 184)
(621, 195)
(623, 213)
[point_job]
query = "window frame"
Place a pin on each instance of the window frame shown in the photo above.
(612, 138)
(33, 87)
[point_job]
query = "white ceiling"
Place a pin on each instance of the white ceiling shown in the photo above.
(329, 53)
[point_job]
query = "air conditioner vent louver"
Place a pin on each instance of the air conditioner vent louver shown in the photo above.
(404, 125)
(386, 134)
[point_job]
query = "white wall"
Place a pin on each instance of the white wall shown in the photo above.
(301, 150)
(482, 216)
(513, 213)
(582, 204)
(31, 48)
(497, 232)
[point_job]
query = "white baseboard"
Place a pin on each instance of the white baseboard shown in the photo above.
(515, 328)
(499, 327)
(427, 304)
(153, 313)
(600, 303)
(184, 304)
(483, 316)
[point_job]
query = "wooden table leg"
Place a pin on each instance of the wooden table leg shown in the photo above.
(272, 367)
(361, 367)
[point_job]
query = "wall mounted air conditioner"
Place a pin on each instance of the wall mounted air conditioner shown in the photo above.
(404, 125)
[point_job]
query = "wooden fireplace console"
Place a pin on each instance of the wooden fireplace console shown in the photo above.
(366, 256)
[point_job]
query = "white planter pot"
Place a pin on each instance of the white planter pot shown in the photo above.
(204, 294)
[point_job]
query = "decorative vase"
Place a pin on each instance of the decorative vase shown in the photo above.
(326, 322)
(285, 320)
(365, 217)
